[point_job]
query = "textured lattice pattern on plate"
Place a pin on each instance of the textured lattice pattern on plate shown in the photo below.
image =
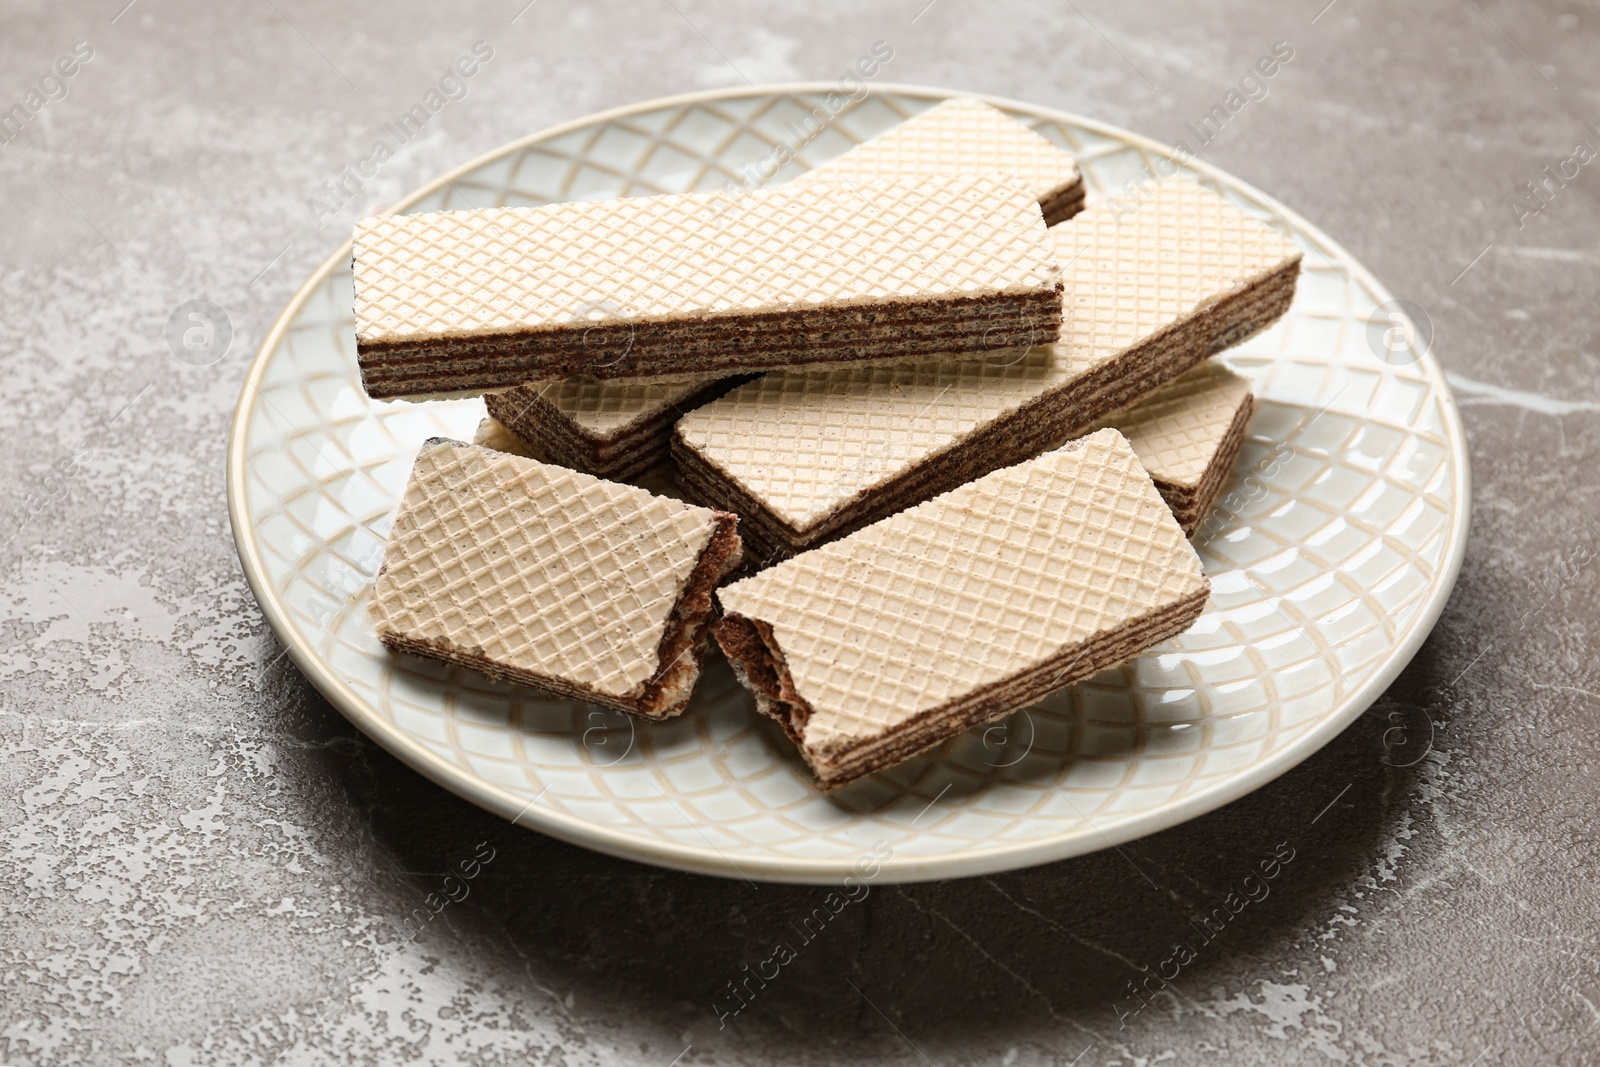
(807, 441)
(536, 566)
(676, 257)
(1316, 580)
(1177, 429)
(972, 587)
(962, 135)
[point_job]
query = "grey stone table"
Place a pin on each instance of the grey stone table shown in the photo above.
(201, 862)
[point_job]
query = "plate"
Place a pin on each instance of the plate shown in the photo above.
(1334, 547)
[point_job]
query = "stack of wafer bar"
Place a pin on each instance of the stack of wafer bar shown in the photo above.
(533, 573)
(1153, 288)
(964, 608)
(685, 283)
(964, 135)
(981, 440)
(616, 428)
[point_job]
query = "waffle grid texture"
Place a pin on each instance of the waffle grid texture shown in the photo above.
(536, 567)
(1191, 504)
(604, 410)
(614, 430)
(805, 443)
(958, 135)
(683, 257)
(962, 135)
(1178, 430)
(969, 589)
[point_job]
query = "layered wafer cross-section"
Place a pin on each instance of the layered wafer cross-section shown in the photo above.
(1187, 434)
(964, 135)
(687, 283)
(963, 608)
(492, 434)
(1154, 286)
(536, 574)
(616, 428)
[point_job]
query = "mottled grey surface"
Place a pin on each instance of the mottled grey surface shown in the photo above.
(200, 861)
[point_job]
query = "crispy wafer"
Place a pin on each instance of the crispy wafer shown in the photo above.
(691, 283)
(964, 135)
(964, 608)
(1188, 434)
(615, 429)
(537, 574)
(806, 455)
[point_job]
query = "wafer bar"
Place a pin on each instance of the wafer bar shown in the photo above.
(535, 574)
(964, 136)
(492, 434)
(690, 283)
(658, 479)
(807, 455)
(964, 608)
(618, 428)
(1187, 434)
(614, 429)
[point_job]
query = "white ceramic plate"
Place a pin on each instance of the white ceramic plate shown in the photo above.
(1329, 563)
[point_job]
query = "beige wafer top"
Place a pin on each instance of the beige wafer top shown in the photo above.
(957, 136)
(970, 588)
(682, 256)
(536, 566)
(805, 442)
(605, 408)
(1176, 430)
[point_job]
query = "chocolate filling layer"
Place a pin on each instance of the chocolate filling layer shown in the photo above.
(632, 449)
(1062, 204)
(731, 343)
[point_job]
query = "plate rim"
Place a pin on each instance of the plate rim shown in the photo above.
(780, 869)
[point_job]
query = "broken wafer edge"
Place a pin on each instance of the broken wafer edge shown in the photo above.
(964, 135)
(809, 454)
(691, 283)
(531, 573)
(964, 608)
